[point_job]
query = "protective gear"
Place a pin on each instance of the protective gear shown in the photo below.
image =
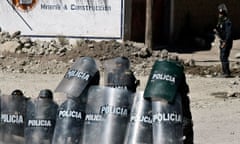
(13, 113)
(79, 77)
(17, 92)
(167, 89)
(164, 80)
(69, 124)
(46, 93)
(139, 129)
(167, 121)
(107, 115)
(40, 119)
(118, 74)
(222, 8)
(122, 63)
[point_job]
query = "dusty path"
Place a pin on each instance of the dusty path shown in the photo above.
(216, 120)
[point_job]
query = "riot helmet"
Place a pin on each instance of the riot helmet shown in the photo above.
(122, 63)
(17, 93)
(85, 61)
(222, 9)
(45, 94)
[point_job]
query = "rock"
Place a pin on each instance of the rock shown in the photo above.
(138, 45)
(16, 34)
(145, 52)
(164, 54)
(10, 46)
(24, 40)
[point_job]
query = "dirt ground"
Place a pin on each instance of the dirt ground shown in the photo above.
(216, 111)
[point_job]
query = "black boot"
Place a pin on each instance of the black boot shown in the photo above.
(226, 69)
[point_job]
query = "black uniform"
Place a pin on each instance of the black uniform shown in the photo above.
(187, 115)
(224, 30)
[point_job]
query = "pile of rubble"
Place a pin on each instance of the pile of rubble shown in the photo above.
(25, 55)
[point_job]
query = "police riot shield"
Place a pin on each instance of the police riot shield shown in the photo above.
(84, 72)
(164, 80)
(163, 89)
(107, 115)
(139, 129)
(167, 121)
(117, 74)
(13, 110)
(40, 121)
(69, 123)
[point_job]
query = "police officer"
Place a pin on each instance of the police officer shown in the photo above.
(41, 117)
(122, 76)
(186, 111)
(224, 31)
(13, 111)
(160, 88)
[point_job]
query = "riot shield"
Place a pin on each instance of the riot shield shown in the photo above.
(140, 125)
(164, 80)
(107, 115)
(167, 122)
(13, 110)
(118, 75)
(40, 121)
(84, 72)
(69, 124)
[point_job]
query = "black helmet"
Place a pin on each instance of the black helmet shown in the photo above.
(222, 9)
(46, 93)
(17, 92)
(87, 61)
(124, 61)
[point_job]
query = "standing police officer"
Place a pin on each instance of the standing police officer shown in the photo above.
(224, 31)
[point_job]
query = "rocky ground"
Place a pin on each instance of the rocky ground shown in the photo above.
(24, 55)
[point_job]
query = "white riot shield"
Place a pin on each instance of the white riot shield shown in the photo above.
(167, 122)
(140, 125)
(107, 115)
(81, 75)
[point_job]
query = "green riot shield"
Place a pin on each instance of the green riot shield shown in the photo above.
(164, 80)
